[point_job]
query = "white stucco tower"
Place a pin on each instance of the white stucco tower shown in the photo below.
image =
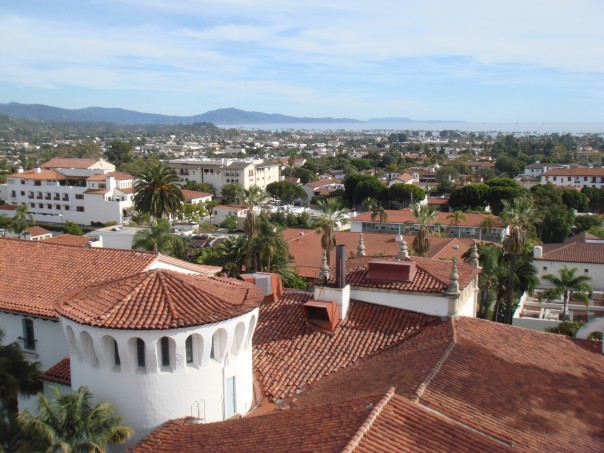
(162, 345)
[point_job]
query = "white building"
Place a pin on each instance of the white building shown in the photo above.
(575, 177)
(161, 345)
(221, 212)
(218, 172)
(80, 191)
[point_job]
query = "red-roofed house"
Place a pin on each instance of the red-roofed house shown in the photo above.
(574, 177)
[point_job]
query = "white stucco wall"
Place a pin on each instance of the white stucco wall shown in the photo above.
(468, 307)
(594, 270)
(149, 397)
(430, 305)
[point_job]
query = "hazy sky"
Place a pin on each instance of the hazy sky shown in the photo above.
(526, 60)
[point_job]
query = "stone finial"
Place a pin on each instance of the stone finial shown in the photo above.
(324, 274)
(403, 252)
(361, 247)
(474, 255)
(454, 277)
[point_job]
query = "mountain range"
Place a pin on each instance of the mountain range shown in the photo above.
(225, 116)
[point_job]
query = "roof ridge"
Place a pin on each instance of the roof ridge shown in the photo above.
(366, 426)
(432, 275)
(161, 276)
(437, 367)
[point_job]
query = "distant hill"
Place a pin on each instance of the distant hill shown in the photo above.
(228, 116)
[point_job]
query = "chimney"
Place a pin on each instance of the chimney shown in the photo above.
(37, 170)
(20, 169)
(538, 252)
(340, 266)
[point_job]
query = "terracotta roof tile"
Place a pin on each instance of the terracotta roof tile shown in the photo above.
(289, 354)
(8, 207)
(321, 183)
(584, 171)
(575, 250)
(203, 269)
(406, 215)
(69, 239)
(36, 231)
(432, 275)
(60, 162)
(190, 194)
(42, 175)
(535, 390)
(59, 373)
(97, 191)
(159, 299)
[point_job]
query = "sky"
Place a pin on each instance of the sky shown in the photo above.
(469, 60)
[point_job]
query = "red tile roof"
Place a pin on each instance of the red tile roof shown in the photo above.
(406, 215)
(191, 194)
(432, 275)
(305, 246)
(36, 231)
(59, 373)
(69, 239)
(97, 191)
(321, 183)
(575, 250)
(42, 175)
(60, 162)
(202, 269)
(35, 273)
(120, 176)
(159, 299)
(8, 207)
(371, 423)
(289, 354)
(584, 171)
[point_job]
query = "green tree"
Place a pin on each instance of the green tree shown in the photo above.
(455, 218)
(22, 220)
(575, 200)
(157, 191)
(230, 192)
(472, 196)
(229, 222)
(519, 216)
(285, 191)
(585, 222)
(567, 284)
(370, 188)
(156, 238)
(331, 218)
(70, 423)
(376, 209)
(119, 153)
(350, 184)
(557, 224)
(73, 228)
(252, 198)
(425, 215)
(18, 376)
(405, 194)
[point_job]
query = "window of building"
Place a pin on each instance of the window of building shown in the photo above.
(165, 352)
(22, 193)
(587, 271)
(189, 348)
(140, 352)
(29, 339)
(116, 354)
(33, 205)
(79, 196)
(23, 181)
(13, 194)
(57, 206)
(49, 206)
(80, 208)
(40, 205)
(544, 268)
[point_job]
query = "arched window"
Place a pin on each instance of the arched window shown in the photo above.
(165, 352)
(73, 347)
(219, 341)
(189, 349)
(88, 351)
(140, 353)
(250, 332)
(236, 347)
(116, 353)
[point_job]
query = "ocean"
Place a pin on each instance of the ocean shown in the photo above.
(435, 126)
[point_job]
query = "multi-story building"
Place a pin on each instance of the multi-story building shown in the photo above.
(575, 177)
(76, 190)
(218, 172)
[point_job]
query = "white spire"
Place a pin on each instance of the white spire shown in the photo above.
(403, 252)
(474, 255)
(324, 274)
(361, 247)
(454, 283)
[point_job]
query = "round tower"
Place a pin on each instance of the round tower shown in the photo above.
(162, 345)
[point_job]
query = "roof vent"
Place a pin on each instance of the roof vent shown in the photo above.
(391, 271)
(322, 314)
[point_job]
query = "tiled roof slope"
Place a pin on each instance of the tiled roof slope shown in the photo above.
(41, 175)
(68, 239)
(202, 269)
(538, 391)
(289, 354)
(372, 423)
(305, 246)
(62, 162)
(406, 215)
(583, 171)
(433, 276)
(59, 373)
(34, 273)
(36, 231)
(575, 250)
(159, 299)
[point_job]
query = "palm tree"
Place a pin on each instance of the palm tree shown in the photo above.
(157, 191)
(18, 376)
(487, 224)
(251, 199)
(376, 209)
(22, 220)
(326, 224)
(156, 238)
(519, 215)
(455, 218)
(70, 423)
(425, 215)
(565, 284)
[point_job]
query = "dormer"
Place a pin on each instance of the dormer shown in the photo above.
(323, 314)
(391, 271)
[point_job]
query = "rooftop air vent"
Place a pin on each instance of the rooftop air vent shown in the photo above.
(391, 271)
(322, 314)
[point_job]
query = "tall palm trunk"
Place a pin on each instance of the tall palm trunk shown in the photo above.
(566, 300)
(510, 289)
